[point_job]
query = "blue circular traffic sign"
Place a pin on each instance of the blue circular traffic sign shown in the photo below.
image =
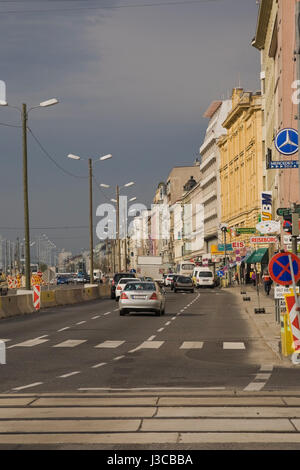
(279, 268)
(286, 141)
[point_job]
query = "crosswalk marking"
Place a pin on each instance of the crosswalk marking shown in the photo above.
(110, 344)
(70, 343)
(149, 345)
(81, 322)
(31, 342)
(192, 345)
(231, 345)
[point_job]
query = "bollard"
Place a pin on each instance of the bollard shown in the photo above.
(243, 292)
(2, 352)
(246, 298)
(259, 310)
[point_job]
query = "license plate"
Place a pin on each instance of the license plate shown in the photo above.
(141, 297)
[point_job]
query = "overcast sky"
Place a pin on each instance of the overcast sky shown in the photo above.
(132, 81)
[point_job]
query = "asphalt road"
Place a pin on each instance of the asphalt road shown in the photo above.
(198, 377)
(203, 340)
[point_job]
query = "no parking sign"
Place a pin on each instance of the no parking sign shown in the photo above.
(279, 268)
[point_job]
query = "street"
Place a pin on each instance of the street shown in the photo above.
(198, 343)
(83, 375)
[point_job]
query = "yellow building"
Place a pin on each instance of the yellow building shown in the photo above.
(241, 161)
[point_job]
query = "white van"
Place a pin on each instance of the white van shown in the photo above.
(203, 276)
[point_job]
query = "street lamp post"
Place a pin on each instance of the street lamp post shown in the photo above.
(24, 117)
(90, 164)
(117, 201)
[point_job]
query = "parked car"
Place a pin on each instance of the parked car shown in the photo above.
(120, 286)
(183, 283)
(115, 281)
(139, 296)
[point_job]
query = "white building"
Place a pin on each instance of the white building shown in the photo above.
(209, 168)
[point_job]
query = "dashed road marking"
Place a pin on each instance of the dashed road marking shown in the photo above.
(70, 343)
(110, 344)
(35, 384)
(64, 376)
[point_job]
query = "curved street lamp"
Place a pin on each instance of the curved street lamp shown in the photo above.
(24, 116)
(90, 162)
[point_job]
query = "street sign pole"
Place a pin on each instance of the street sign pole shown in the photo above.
(298, 73)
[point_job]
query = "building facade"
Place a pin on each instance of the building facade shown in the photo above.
(241, 161)
(209, 168)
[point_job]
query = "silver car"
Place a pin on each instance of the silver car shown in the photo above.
(142, 296)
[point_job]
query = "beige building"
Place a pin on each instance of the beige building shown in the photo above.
(241, 161)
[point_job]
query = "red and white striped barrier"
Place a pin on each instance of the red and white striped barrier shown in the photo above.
(37, 297)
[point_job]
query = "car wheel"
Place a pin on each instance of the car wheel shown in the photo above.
(157, 313)
(122, 312)
(192, 291)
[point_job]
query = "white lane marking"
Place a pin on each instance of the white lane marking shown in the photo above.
(35, 384)
(31, 342)
(168, 323)
(254, 386)
(110, 344)
(5, 340)
(161, 329)
(266, 368)
(262, 377)
(173, 318)
(70, 343)
(148, 345)
(116, 309)
(63, 329)
(96, 316)
(69, 374)
(231, 345)
(81, 322)
(151, 338)
(99, 365)
(192, 345)
(149, 388)
(118, 358)
(107, 313)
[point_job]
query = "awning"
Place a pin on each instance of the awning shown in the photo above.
(259, 256)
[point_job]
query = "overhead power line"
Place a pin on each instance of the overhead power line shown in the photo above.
(67, 172)
(110, 7)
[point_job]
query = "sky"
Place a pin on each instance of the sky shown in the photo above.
(133, 79)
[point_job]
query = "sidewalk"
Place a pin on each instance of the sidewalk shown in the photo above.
(265, 323)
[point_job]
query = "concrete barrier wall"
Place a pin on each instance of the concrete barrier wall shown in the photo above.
(11, 305)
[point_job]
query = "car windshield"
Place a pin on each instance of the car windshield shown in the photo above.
(124, 281)
(184, 280)
(205, 274)
(149, 286)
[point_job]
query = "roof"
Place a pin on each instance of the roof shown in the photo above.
(213, 107)
(265, 8)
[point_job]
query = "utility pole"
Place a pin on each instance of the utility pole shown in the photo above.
(26, 204)
(91, 224)
(118, 227)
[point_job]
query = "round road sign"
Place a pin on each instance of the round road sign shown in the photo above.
(279, 268)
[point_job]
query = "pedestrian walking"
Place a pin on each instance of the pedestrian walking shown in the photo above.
(253, 278)
(236, 278)
(267, 282)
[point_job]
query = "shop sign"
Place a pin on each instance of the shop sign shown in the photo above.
(263, 240)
